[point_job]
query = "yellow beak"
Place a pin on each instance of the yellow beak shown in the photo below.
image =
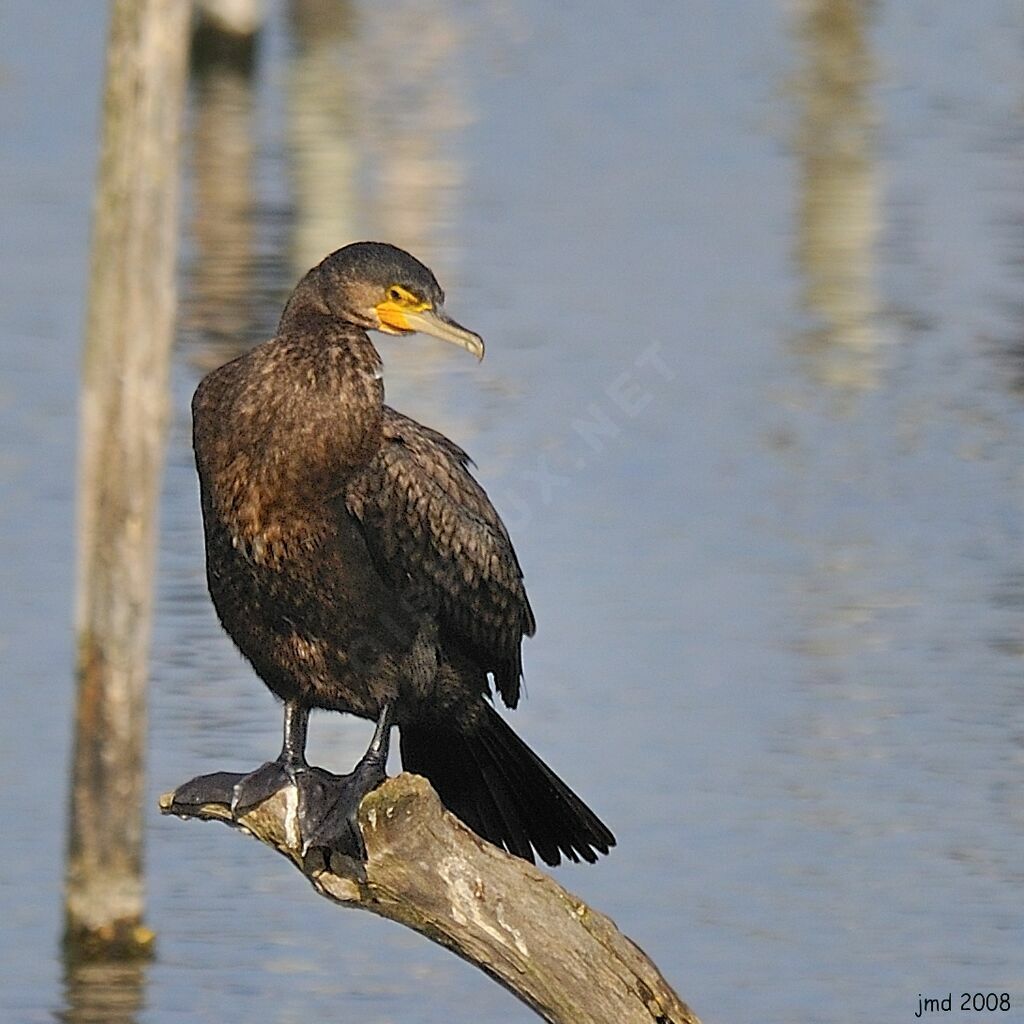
(430, 321)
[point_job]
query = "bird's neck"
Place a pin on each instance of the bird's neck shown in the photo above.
(307, 302)
(318, 338)
(331, 397)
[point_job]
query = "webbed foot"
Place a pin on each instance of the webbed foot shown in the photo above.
(205, 789)
(270, 778)
(238, 790)
(329, 806)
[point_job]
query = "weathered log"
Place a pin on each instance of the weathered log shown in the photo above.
(426, 870)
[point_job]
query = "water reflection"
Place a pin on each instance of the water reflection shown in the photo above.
(1008, 602)
(221, 281)
(907, 642)
(411, 126)
(321, 127)
(1007, 597)
(1011, 347)
(370, 134)
(838, 218)
(103, 991)
(371, 130)
(838, 222)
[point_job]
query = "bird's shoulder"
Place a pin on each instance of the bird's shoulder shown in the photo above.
(422, 479)
(428, 521)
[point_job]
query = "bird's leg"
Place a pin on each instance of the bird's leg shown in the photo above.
(380, 742)
(293, 747)
(242, 790)
(329, 804)
(274, 776)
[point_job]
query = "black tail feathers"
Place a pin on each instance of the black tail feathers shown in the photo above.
(503, 791)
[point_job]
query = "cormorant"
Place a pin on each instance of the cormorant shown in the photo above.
(359, 567)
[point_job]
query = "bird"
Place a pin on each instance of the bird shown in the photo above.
(359, 566)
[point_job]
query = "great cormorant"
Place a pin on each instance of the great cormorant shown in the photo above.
(357, 564)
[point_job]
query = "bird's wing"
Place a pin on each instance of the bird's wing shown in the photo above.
(431, 528)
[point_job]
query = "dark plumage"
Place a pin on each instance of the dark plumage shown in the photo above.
(358, 565)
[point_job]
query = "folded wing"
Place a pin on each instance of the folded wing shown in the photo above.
(434, 535)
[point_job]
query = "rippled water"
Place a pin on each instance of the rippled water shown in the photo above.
(750, 278)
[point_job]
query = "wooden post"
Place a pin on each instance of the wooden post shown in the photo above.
(123, 413)
(426, 870)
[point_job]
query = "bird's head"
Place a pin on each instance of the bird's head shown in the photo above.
(381, 287)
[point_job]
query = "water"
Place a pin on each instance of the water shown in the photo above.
(750, 278)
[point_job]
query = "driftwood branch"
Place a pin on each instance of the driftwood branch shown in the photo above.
(426, 870)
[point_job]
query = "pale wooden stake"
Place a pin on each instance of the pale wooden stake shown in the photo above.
(123, 414)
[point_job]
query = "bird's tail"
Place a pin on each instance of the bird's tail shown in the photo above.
(503, 791)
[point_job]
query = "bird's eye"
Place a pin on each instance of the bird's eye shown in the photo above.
(395, 295)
